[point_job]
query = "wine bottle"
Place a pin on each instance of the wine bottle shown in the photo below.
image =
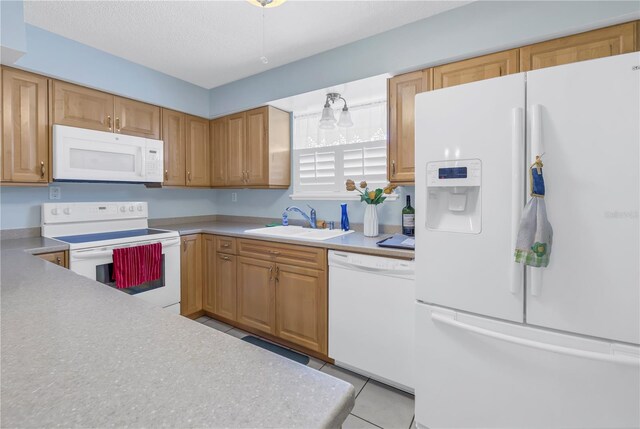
(408, 218)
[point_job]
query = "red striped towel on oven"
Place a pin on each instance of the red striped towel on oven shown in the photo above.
(133, 266)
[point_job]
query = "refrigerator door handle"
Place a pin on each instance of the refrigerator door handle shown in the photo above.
(517, 192)
(537, 148)
(537, 145)
(622, 359)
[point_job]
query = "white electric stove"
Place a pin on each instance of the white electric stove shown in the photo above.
(93, 230)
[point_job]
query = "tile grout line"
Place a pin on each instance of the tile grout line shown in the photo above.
(355, 415)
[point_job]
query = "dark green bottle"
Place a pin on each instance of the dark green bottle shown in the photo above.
(408, 218)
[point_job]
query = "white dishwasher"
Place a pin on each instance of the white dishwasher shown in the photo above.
(371, 316)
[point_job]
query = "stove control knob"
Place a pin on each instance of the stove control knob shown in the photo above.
(140, 208)
(123, 209)
(54, 212)
(67, 211)
(130, 208)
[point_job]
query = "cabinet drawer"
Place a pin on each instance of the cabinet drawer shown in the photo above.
(226, 245)
(58, 258)
(302, 256)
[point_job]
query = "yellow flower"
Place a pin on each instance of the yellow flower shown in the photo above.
(351, 185)
(387, 190)
(363, 184)
(372, 195)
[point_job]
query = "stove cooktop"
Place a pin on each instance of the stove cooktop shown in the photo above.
(112, 235)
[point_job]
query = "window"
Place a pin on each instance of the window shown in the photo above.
(325, 159)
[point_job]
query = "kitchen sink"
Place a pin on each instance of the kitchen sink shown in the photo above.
(298, 232)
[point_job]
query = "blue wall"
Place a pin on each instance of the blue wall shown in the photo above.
(12, 35)
(20, 206)
(271, 203)
(478, 28)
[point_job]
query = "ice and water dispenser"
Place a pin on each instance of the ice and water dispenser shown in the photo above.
(454, 196)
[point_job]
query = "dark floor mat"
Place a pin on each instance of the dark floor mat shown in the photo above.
(289, 354)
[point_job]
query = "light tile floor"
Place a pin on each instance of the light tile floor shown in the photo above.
(377, 405)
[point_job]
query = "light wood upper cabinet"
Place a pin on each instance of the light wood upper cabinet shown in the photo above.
(474, 69)
(256, 294)
(25, 136)
(197, 151)
(135, 118)
(82, 107)
(236, 136)
(218, 151)
(402, 91)
(604, 42)
(301, 306)
(191, 275)
(175, 146)
(257, 148)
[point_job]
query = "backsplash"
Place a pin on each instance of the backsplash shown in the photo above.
(271, 203)
(20, 206)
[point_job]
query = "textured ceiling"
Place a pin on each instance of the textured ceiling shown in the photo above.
(210, 43)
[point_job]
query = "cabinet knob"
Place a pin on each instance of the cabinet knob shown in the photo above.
(226, 244)
(271, 273)
(226, 258)
(42, 169)
(58, 260)
(277, 273)
(393, 168)
(166, 174)
(117, 124)
(109, 121)
(189, 176)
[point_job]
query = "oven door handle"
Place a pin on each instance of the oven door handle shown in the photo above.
(94, 253)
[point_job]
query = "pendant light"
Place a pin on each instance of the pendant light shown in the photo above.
(266, 3)
(328, 118)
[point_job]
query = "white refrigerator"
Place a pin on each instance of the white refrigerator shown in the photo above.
(498, 345)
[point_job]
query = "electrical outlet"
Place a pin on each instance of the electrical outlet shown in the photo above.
(54, 192)
(234, 197)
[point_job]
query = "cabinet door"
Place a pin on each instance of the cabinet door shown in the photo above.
(257, 147)
(301, 306)
(25, 140)
(137, 119)
(191, 275)
(220, 289)
(58, 258)
(605, 42)
(197, 151)
(402, 93)
(236, 132)
(218, 135)
(474, 69)
(77, 106)
(256, 295)
(175, 147)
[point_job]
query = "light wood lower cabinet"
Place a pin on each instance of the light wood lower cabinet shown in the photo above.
(256, 294)
(272, 289)
(191, 275)
(301, 306)
(219, 294)
(25, 137)
(58, 258)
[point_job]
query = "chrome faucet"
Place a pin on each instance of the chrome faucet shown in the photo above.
(312, 215)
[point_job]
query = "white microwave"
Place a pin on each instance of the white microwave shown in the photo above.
(98, 156)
